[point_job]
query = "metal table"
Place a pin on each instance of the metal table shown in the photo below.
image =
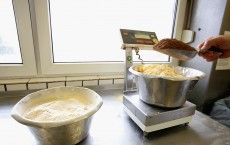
(112, 126)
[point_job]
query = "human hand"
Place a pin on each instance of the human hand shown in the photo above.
(222, 42)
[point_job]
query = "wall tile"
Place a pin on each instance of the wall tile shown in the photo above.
(74, 83)
(101, 77)
(16, 87)
(47, 79)
(14, 81)
(81, 78)
(118, 81)
(2, 88)
(56, 84)
(42, 83)
(36, 86)
(105, 82)
(90, 83)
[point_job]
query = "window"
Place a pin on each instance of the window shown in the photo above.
(83, 37)
(85, 31)
(16, 42)
(9, 44)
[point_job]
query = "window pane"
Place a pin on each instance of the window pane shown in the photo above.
(9, 45)
(89, 30)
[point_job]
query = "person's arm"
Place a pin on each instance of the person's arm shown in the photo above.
(222, 42)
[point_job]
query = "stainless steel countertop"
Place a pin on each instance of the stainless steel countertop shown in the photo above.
(112, 126)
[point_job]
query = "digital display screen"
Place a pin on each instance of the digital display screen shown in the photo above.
(143, 36)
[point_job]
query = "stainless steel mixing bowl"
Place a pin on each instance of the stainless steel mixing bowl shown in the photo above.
(168, 92)
(66, 132)
(69, 134)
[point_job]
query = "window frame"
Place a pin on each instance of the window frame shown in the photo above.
(35, 41)
(44, 41)
(24, 30)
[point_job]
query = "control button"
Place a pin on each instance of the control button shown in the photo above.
(129, 58)
(155, 40)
